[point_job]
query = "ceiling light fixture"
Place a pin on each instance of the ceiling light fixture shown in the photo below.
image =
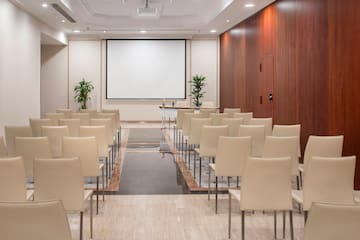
(44, 5)
(213, 30)
(227, 20)
(63, 20)
(143, 31)
(76, 31)
(104, 31)
(249, 5)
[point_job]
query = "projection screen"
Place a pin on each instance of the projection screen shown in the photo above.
(146, 69)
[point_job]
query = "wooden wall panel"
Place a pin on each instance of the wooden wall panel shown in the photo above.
(314, 45)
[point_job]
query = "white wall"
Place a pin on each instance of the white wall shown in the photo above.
(19, 66)
(54, 78)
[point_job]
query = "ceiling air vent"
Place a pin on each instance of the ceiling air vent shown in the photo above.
(147, 11)
(58, 8)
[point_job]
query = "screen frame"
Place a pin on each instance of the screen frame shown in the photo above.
(154, 99)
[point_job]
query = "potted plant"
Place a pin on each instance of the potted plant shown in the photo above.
(198, 83)
(82, 92)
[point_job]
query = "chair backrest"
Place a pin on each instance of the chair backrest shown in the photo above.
(117, 116)
(332, 222)
(288, 131)
(267, 122)
(92, 112)
(59, 179)
(11, 132)
(216, 118)
(266, 184)
(34, 221)
(244, 115)
(36, 125)
(180, 117)
(30, 148)
(209, 139)
(231, 111)
(55, 135)
(83, 116)
(283, 147)
(67, 111)
(322, 146)
(208, 104)
(3, 151)
(186, 127)
(233, 124)
(207, 111)
(73, 125)
(329, 180)
(109, 115)
(12, 180)
(196, 127)
(54, 117)
(257, 134)
(231, 155)
(101, 137)
(86, 149)
(107, 123)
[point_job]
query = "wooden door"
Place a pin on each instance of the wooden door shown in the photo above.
(266, 87)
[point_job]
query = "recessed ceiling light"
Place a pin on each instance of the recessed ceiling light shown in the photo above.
(213, 30)
(63, 21)
(44, 5)
(227, 20)
(249, 5)
(76, 31)
(104, 31)
(143, 31)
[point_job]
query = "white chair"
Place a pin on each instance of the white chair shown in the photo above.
(267, 122)
(3, 151)
(34, 221)
(284, 147)
(67, 111)
(36, 125)
(83, 116)
(92, 112)
(11, 132)
(231, 111)
(216, 118)
(333, 222)
(329, 180)
(207, 111)
(208, 104)
(257, 134)
(179, 123)
(231, 156)
(62, 179)
(54, 117)
(55, 135)
(13, 180)
(233, 124)
(30, 148)
(72, 124)
(244, 115)
(265, 185)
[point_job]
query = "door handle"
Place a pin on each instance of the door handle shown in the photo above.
(270, 97)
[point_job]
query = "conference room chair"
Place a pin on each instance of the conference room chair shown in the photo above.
(3, 151)
(67, 111)
(244, 115)
(208, 145)
(207, 111)
(327, 179)
(11, 132)
(36, 125)
(62, 179)
(99, 132)
(179, 123)
(265, 185)
(13, 180)
(233, 124)
(333, 222)
(207, 104)
(195, 134)
(231, 111)
(92, 112)
(54, 117)
(30, 148)
(83, 116)
(284, 147)
(267, 122)
(86, 149)
(257, 134)
(112, 116)
(117, 121)
(72, 124)
(216, 118)
(55, 135)
(230, 160)
(34, 221)
(321, 146)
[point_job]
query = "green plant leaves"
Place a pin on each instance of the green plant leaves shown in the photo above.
(198, 83)
(82, 91)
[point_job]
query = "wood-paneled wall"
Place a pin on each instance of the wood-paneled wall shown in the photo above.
(307, 53)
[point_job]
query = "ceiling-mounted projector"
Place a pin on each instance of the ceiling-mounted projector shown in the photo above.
(147, 11)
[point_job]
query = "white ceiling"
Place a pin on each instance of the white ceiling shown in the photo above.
(119, 18)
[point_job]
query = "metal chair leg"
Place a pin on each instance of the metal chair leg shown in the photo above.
(91, 216)
(243, 225)
(103, 185)
(284, 223)
(275, 224)
(229, 222)
(209, 182)
(97, 195)
(81, 225)
(216, 194)
(200, 174)
(291, 225)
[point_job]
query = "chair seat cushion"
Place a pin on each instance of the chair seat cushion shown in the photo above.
(235, 193)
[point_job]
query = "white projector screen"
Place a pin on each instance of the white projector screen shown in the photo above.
(146, 69)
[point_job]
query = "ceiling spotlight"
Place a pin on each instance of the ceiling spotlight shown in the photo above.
(213, 30)
(104, 31)
(143, 31)
(76, 31)
(44, 5)
(63, 21)
(227, 20)
(249, 5)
